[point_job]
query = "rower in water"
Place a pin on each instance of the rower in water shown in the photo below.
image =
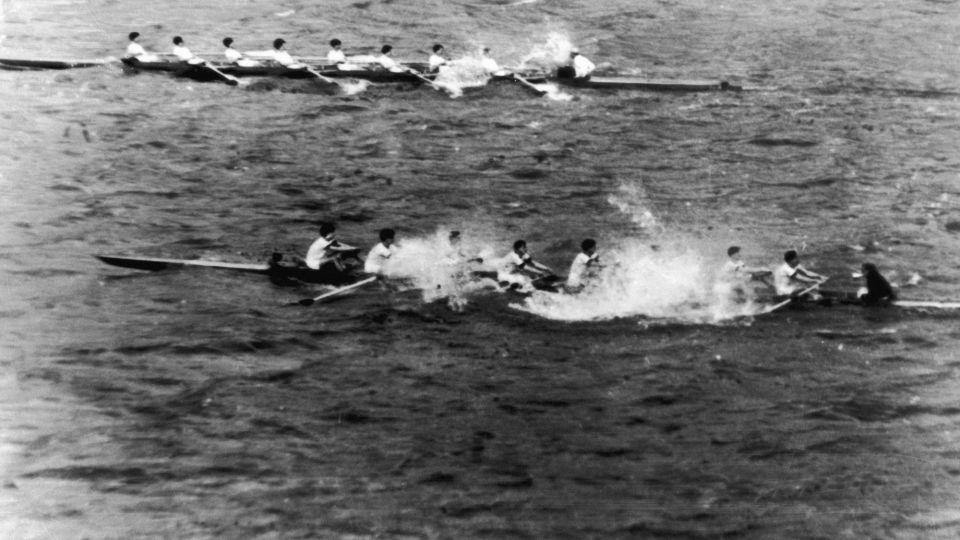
(388, 63)
(327, 249)
(584, 266)
(790, 278)
(436, 59)
(518, 270)
(236, 57)
(183, 54)
(877, 289)
(135, 50)
(381, 253)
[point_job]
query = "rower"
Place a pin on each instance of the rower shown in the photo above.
(236, 57)
(489, 65)
(877, 289)
(790, 278)
(282, 57)
(436, 59)
(336, 55)
(386, 62)
(582, 67)
(518, 268)
(380, 253)
(736, 270)
(135, 50)
(183, 53)
(583, 267)
(327, 249)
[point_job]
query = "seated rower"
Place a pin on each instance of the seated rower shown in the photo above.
(737, 271)
(790, 278)
(381, 253)
(183, 54)
(489, 65)
(236, 57)
(327, 249)
(582, 68)
(135, 50)
(518, 269)
(436, 59)
(388, 63)
(336, 55)
(282, 57)
(877, 289)
(583, 267)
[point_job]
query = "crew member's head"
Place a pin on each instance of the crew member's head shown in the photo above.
(386, 49)
(791, 258)
(227, 42)
(177, 40)
(520, 246)
(327, 228)
(387, 236)
(438, 48)
(335, 43)
(278, 43)
(454, 237)
(589, 246)
(733, 251)
(133, 36)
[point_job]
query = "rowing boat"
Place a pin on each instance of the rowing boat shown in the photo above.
(635, 83)
(279, 271)
(24, 64)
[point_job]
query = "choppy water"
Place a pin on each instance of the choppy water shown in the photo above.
(194, 404)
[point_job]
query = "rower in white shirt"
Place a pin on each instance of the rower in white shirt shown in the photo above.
(183, 54)
(518, 269)
(327, 249)
(388, 63)
(135, 50)
(381, 253)
(582, 68)
(436, 59)
(236, 57)
(490, 65)
(336, 55)
(282, 57)
(790, 278)
(583, 266)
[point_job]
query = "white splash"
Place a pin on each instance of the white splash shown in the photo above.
(550, 55)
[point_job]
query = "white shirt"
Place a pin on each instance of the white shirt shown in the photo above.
(436, 61)
(388, 63)
(135, 50)
(732, 268)
(336, 56)
(579, 268)
(283, 58)
(182, 53)
(317, 254)
(377, 258)
(514, 263)
(582, 67)
(489, 65)
(783, 280)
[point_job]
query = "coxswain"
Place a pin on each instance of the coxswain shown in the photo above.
(386, 62)
(380, 253)
(436, 59)
(183, 53)
(327, 249)
(518, 269)
(236, 57)
(582, 68)
(790, 278)
(877, 289)
(583, 266)
(135, 50)
(336, 55)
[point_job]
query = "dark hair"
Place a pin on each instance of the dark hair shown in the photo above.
(387, 234)
(133, 35)
(519, 244)
(335, 42)
(326, 228)
(790, 255)
(454, 235)
(277, 43)
(177, 40)
(227, 41)
(589, 243)
(486, 50)
(437, 47)
(733, 250)
(385, 49)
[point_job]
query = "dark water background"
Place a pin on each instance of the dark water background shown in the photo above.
(193, 404)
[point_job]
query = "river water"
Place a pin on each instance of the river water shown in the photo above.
(194, 404)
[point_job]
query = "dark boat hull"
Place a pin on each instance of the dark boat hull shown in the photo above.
(281, 273)
(20, 64)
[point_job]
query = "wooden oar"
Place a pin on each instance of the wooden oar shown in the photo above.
(532, 87)
(311, 301)
(316, 74)
(794, 297)
(432, 84)
(228, 79)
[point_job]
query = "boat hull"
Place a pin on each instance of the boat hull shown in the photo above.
(22, 64)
